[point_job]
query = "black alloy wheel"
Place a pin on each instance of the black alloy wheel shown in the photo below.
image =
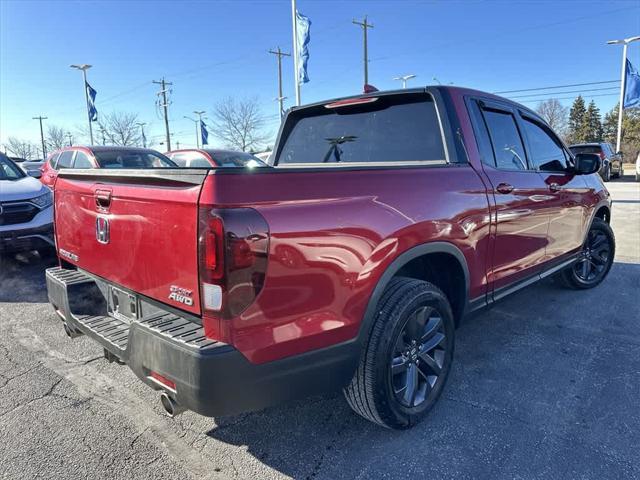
(595, 259)
(418, 357)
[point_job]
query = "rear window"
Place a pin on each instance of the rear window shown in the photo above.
(585, 149)
(133, 159)
(398, 128)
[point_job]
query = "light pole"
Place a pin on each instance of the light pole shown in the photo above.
(196, 124)
(199, 125)
(70, 138)
(404, 79)
(144, 140)
(84, 67)
(625, 42)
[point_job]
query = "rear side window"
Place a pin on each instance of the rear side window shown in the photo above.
(399, 128)
(586, 149)
(505, 140)
(64, 160)
(190, 160)
(82, 161)
(53, 159)
(545, 151)
(132, 159)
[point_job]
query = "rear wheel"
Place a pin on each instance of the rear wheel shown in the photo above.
(406, 361)
(595, 259)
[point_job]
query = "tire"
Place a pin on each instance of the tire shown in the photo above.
(607, 173)
(595, 259)
(391, 363)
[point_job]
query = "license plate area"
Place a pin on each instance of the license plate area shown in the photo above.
(122, 305)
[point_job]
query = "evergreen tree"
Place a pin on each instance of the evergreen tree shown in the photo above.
(610, 125)
(593, 125)
(577, 121)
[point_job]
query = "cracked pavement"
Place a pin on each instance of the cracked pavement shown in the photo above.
(545, 384)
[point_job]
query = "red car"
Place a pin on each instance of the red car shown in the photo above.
(79, 157)
(386, 218)
(205, 158)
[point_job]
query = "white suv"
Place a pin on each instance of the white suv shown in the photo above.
(26, 211)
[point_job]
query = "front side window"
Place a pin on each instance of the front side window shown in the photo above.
(546, 153)
(398, 128)
(505, 140)
(82, 161)
(132, 159)
(64, 160)
(9, 170)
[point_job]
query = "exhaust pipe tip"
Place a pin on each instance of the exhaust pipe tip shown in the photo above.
(170, 406)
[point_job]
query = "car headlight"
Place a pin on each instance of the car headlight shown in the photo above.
(43, 200)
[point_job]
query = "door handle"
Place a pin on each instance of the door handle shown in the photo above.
(103, 199)
(504, 188)
(554, 187)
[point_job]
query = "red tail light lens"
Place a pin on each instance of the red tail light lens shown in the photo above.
(233, 258)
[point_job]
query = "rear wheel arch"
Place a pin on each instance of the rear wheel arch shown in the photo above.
(603, 213)
(455, 284)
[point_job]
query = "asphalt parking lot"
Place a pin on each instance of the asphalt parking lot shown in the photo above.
(546, 384)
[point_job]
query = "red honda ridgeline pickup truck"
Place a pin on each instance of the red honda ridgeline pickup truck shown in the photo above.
(347, 264)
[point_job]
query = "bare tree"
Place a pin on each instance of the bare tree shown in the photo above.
(239, 123)
(22, 149)
(56, 138)
(554, 114)
(120, 129)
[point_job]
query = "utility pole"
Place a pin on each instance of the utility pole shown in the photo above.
(144, 140)
(102, 132)
(70, 138)
(165, 106)
(279, 53)
(84, 67)
(365, 26)
(625, 42)
(44, 149)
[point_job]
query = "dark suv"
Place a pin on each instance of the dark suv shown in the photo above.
(611, 161)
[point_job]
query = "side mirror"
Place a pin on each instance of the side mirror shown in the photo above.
(587, 163)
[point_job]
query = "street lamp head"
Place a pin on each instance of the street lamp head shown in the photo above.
(83, 66)
(623, 41)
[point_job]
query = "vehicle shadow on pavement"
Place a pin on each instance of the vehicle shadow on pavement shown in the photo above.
(497, 408)
(22, 277)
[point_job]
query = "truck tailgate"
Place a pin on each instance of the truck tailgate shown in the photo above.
(136, 228)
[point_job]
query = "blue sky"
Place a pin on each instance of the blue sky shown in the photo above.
(213, 49)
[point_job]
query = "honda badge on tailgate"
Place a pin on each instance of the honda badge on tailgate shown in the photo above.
(102, 229)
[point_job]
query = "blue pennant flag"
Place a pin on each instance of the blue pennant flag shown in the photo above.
(93, 112)
(204, 134)
(303, 26)
(631, 86)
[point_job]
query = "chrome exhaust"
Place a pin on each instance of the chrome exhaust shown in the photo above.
(171, 407)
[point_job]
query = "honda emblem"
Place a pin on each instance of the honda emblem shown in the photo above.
(102, 229)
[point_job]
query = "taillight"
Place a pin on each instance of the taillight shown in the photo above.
(233, 249)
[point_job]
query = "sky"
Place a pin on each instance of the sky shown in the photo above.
(212, 49)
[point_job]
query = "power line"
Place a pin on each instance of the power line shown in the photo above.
(569, 98)
(558, 86)
(568, 91)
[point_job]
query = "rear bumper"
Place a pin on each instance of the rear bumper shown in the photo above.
(23, 239)
(211, 378)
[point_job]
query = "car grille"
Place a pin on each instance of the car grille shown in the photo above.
(14, 213)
